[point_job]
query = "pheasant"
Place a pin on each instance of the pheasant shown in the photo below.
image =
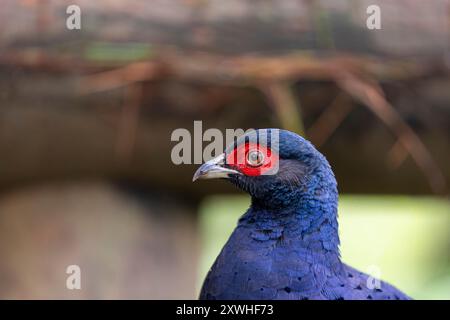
(286, 246)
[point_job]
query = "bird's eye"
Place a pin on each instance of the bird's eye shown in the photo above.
(255, 158)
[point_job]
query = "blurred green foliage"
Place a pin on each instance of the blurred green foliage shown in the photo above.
(117, 52)
(406, 238)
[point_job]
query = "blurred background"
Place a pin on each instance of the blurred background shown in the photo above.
(86, 118)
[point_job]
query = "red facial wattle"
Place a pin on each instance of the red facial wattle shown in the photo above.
(238, 159)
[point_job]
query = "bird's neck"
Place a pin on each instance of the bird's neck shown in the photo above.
(310, 225)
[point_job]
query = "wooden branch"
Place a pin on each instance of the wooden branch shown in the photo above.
(213, 69)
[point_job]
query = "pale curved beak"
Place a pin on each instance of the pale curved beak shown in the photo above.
(213, 169)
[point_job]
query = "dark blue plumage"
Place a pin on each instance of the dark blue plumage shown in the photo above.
(286, 246)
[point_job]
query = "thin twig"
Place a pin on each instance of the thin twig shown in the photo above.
(285, 105)
(330, 119)
(397, 155)
(129, 122)
(121, 77)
